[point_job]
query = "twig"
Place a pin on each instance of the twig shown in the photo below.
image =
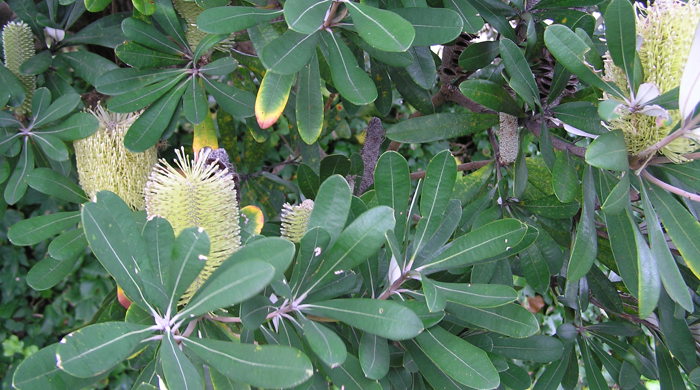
(665, 160)
(670, 188)
(533, 124)
(223, 319)
(470, 166)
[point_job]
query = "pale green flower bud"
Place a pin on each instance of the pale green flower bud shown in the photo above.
(18, 44)
(197, 193)
(105, 164)
(295, 220)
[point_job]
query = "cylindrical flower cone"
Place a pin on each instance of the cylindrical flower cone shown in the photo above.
(295, 220)
(18, 46)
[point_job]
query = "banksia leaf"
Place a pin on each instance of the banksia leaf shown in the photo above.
(205, 134)
(295, 220)
(202, 193)
(272, 98)
(189, 10)
(104, 163)
(18, 44)
(508, 138)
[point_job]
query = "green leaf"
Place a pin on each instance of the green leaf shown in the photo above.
(649, 282)
(361, 239)
(521, 79)
(540, 349)
(442, 126)
(422, 68)
(105, 31)
(382, 29)
(393, 185)
(621, 36)
(167, 19)
(220, 67)
(535, 268)
(146, 7)
(76, 126)
(671, 277)
(236, 102)
(669, 376)
(324, 342)
(17, 184)
(493, 239)
(509, 320)
(68, 245)
(49, 272)
(331, 206)
(41, 101)
(471, 20)
(564, 178)
(60, 107)
(570, 50)
(350, 376)
(289, 52)
(195, 105)
(52, 147)
(272, 97)
(435, 194)
(31, 231)
(490, 95)
(412, 93)
(433, 26)
(434, 300)
(348, 78)
(335, 164)
(373, 353)
(493, 12)
(477, 295)
(86, 65)
(478, 55)
(113, 237)
(97, 348)
(138, 99)
(51, 183)
(123, 80)
(275, 251)
(37, 64)
(225, 20)
(148, 35)
(383, 318)
(188, 259)
(269, 366)
(551, 207)
(13, 92)
(206, 44)
(309, 102)
(608, 151)
(305, 16)
(179, 372)
(459, 359)
(140, 56)
(554, 373)
(146, 131)
(228, 286)
(515, 377)
(39, 371)
(681, 226)
(430, 372)
(619, 198)
(594, 374)
(585, 246)
(307, 259)
(581, 115)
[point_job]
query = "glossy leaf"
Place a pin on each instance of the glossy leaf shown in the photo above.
(288, 53)
(490, 95)
(140, 56)
(123, 80)
(564, 178)
(509, 320)
(608, 151)
(179, 372)
(331, 206)
(225, 20)
(269, 366)
(393, 186)
(305, 16)
(433, 26)
(97, 348)
(309, 102)
(272, 98)
(373, 354)
(324, 342)
(34, 230)
(541, 349)
(476, 295)
(148, 35)
(384, 30)
(442, 126)
(585, 245)
(521, 79)
(382, 318)
(348, 78)
(478, 55)
(621, 36)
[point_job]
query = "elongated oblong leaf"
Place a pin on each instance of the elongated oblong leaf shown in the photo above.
(477, 295)
(188, 259)
(224, 20)
(435, 127)
(97, 348)
(433, 26)
(16, 186)
(236, 102)
(179, 372)
(68, 245)
(541, 349)
(351, 81)
(373, 355)
(39, 371)
(382, 29)
(289, 52)
(195, 105)
(331, 206)
(268, 366)
(491, 95)
(509, 320)
(305, 16)
(493, 239)
(620, 35)
(76, 126)
(34, 230)
(325, 343)
(585, 245)
(309, 102)
(521, 79)
(383, 318)
(458, 358)
(272, 98)
(49, 272)
(608, 151)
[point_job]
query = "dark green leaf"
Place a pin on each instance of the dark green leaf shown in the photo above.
(471, 20)
(195, 105)
(435, 127)
(521, 79)
(49, 272)
(68, 245)
(50, 182)
(325, 343)
(551, 207)
(138, 99)
(236, 102)
(225, 20)
(476, 295)
(585, 245)
(433, 26)
(140, 56)
(220, 67)
(331, 207)
(309, 102)
(490, 95)
(608, 151)
(382, 29)
(179, 372)
(478, 55)
(17, 184)
(123, 80)
(509, 320)
(37, 64)
(621, 36)
(540, 349)
(348, 78)
(373, 354)
(52, 146)
(289, 53)
(39, 371)
(581, 115)
(31, 231)
(76, 126)
(148, 35)
(305, 16)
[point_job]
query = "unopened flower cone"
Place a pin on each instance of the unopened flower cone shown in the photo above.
(295, 220)
(197, 192)
(18, 45)
(104, 163)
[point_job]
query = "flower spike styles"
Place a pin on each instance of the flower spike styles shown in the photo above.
(202, 193)
(18, 45)
(104, 163)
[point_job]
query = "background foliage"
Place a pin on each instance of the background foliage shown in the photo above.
(505, 195)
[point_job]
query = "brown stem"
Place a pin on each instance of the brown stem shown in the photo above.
(331, 14)
(670, 188)
(394, 286)
(664, 160)
(470, 166)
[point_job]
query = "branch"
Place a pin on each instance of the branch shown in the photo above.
(664, 160)
(470, 166)
(670, 188)
(534, 125)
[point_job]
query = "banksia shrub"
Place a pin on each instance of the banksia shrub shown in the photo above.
(105, 164)
(202, 193)
(295, 220)
(18, 45)
(666, 28)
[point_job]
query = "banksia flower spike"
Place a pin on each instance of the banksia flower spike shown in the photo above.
(295, 220)
(666, 29)
(508, 138)
(105, 164)
(18, 45)
(189, 10)
(202, 193)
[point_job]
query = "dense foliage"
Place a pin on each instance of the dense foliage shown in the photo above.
(466, 194)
